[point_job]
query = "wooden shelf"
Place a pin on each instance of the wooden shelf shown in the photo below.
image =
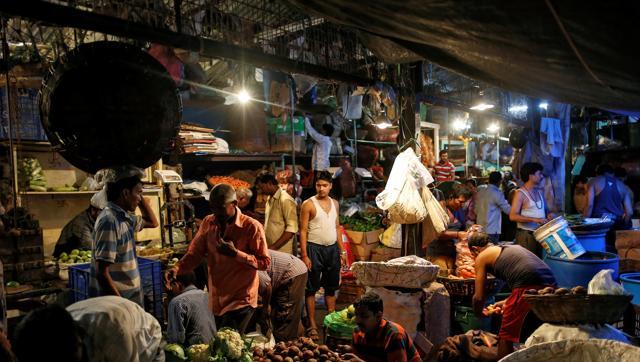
(74, 193)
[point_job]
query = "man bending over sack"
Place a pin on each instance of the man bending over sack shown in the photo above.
(521, 269)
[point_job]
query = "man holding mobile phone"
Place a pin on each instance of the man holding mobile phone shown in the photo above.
(236, 248)
(114, 267)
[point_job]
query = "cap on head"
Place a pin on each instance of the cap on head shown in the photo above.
(99, 200)
(222, 194)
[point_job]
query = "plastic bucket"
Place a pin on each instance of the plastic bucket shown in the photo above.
(592, 240)
(631, 283)
(558, 240)
(580, 271)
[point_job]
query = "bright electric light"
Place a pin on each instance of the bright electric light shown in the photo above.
(383, 125)
(459, 124)
(544, 105)
(493, 128)
(482, 107)
(243, 96)
(518, 109)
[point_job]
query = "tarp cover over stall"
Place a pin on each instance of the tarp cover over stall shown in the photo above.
(579, 52)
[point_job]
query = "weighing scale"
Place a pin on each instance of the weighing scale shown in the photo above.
(168, 177)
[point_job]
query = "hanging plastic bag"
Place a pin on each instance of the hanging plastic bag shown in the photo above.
(409, 207)
(392, 237)
(603, 283)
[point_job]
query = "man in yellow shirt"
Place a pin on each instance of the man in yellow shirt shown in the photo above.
(281, 219)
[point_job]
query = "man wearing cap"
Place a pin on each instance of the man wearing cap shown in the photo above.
(236, 248)
(78, 233)
(114, 267)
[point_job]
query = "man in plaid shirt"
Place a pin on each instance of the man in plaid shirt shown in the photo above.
(282, 291)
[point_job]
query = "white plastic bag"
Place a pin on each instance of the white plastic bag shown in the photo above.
(603, 284)
(406, 168)
(409, 207)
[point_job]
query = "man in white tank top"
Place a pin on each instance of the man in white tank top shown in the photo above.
(320, 247)
(528, 207)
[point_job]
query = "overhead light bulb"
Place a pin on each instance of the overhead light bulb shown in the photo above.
(243, 96)
(518, 109)
(459, 124)
(482, 106)
(544, 105)
(493, 128)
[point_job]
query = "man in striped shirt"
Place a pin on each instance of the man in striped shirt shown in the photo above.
(114, 267)
(445, 170)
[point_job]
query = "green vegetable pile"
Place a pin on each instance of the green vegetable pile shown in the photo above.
(75, 257)
(226, 346)
(362, 222)
(31, 176)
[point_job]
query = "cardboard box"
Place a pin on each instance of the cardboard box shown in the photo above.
(363, 243)
(628, 244)
(384, 253)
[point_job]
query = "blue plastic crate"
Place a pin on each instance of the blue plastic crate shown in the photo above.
(151, 280)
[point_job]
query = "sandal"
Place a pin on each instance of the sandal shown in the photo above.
(312, 333)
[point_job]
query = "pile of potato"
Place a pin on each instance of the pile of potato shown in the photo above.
(304, 349)
(579, 290)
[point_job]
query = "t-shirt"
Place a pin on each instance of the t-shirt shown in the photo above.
(389, 337)
(445, 171)
(114, 242)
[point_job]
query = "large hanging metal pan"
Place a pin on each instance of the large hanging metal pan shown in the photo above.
(105, 104)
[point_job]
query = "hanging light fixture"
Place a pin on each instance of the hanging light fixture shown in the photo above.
(481, 103)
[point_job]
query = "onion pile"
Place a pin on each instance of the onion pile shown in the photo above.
(304, 349)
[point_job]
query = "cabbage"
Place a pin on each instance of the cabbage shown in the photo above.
(176, 350)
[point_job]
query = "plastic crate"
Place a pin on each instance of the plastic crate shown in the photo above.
(151, 281)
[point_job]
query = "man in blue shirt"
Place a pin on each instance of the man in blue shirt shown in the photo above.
(489, 204)
(114, 269)
(190, 320)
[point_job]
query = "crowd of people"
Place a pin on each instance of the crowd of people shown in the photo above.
(256, 280)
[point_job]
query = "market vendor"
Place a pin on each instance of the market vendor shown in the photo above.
(322, 147)
(281, 218)
(235, 247)
(114, 267)
(377, 339)
(529, 208)
(78, 233)
(320, 248)
(521, 269)
(284, 286)
(189, 319)
(609, 197)
(442, 251)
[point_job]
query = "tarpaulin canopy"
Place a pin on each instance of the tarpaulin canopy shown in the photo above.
(579, 52)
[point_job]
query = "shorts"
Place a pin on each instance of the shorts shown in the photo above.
(325, 268)
(515, 311)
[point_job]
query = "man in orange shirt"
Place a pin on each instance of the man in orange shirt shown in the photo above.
(236, 248)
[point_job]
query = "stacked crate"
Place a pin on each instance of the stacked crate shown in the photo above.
(22, 255)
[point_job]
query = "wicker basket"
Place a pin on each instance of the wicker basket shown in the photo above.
(578, 309)
(467, 287)
(372, 274)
